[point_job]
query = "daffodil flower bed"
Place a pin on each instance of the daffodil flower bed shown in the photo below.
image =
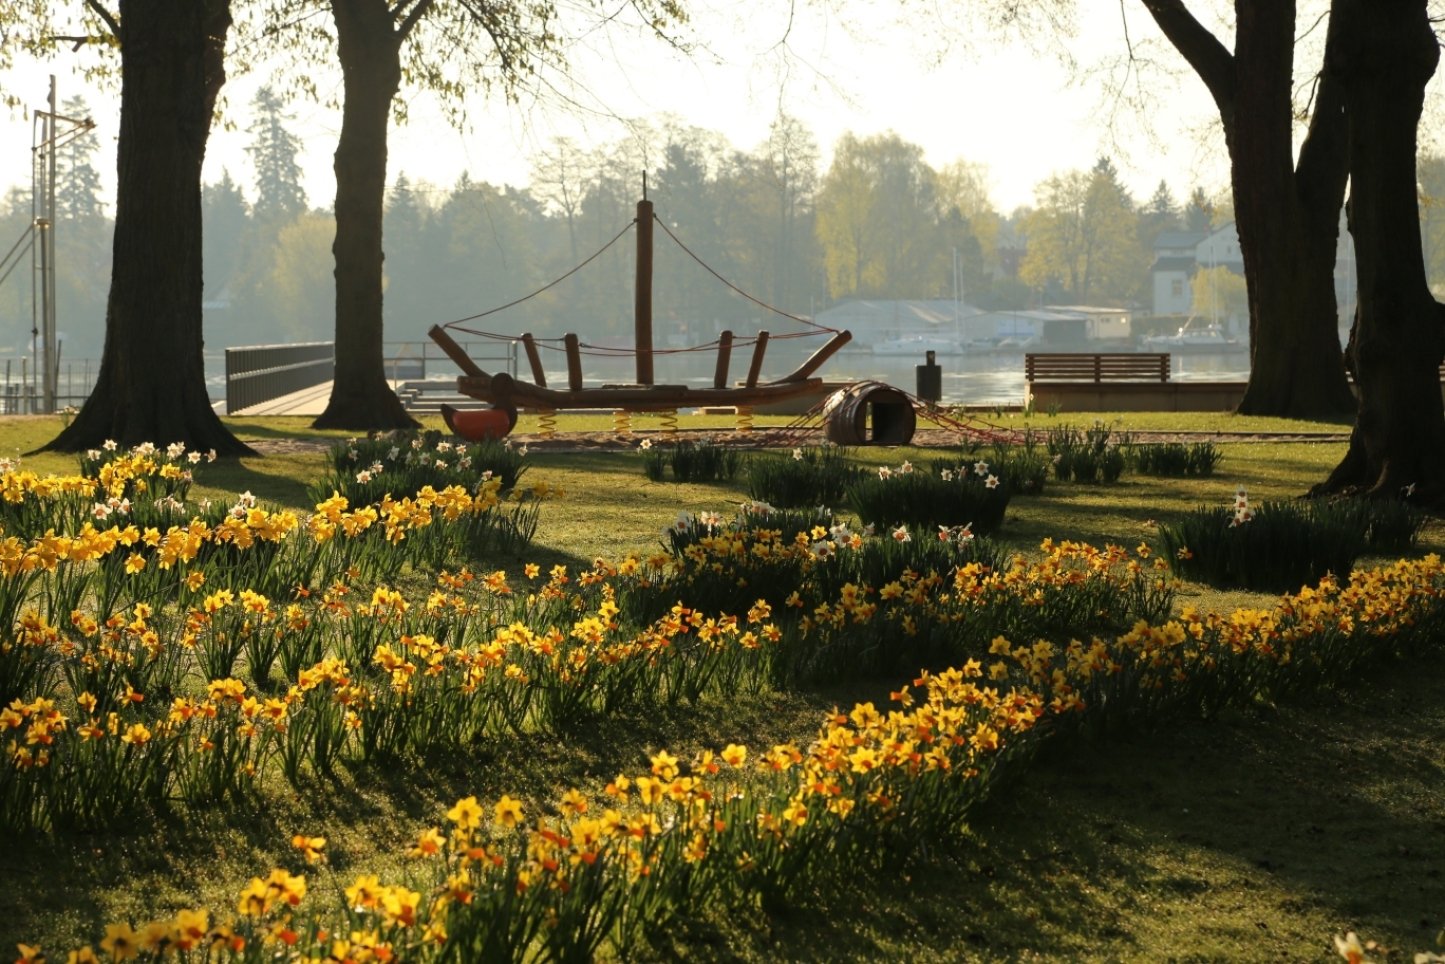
(118, 704)
(60, 548)
(614, 864)
(366, 470)
(384, 678)
(894, 600)
(163, 718)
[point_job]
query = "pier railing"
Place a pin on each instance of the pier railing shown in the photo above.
(256, 374)
(259, 373)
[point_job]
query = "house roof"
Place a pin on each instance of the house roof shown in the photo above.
(1087, 310)
(1227, 229)
(1173, 264)
(1043, 314)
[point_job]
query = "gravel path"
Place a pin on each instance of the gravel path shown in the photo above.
(773, 437)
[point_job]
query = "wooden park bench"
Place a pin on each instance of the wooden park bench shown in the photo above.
(1119, 382)
(1096, 367)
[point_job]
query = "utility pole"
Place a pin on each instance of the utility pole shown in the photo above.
(45, 144)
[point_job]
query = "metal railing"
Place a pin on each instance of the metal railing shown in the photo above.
(254, 374)
(417, 359)
(259, 373)
(21, 393)
(410, 365)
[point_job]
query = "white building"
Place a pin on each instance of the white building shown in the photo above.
(1100, 324)
(1220, 247)
(1179, 254)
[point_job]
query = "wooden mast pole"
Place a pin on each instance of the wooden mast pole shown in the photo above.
(642, 307)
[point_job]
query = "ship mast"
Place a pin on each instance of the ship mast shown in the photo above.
(642, 305)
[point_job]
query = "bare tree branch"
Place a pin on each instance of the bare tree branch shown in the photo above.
(1210, 59)
(417, 12)
(106, 16)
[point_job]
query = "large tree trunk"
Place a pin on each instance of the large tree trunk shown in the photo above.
(1288, 223)
(1287, 215)
(151, 386)
(369, 48)
(1383, 53)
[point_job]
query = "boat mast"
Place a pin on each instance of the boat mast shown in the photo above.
(957, 323)
(642, 306)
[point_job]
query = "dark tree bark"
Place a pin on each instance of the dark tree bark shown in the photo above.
(1383, 52)
(369, 47)
(1287, 214)
(151, 386)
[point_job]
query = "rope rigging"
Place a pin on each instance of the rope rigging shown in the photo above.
(551, 284)
(609, 351)
(708, 268)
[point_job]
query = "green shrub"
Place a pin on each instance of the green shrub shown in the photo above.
(1391, 526)
(704, 461)
(1278, 548)
(880, 560)
(366, 470)
(698, 575)
(1094, 454)
(1023, 466)
(809, 476)
(1024, 470)
(1175, 459)
(654, 461)
(964, 495)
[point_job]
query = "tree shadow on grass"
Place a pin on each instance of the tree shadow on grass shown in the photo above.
(369, 811)
(1255, 837)
(273, 489)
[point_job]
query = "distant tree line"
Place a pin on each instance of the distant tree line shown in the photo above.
(879, 222)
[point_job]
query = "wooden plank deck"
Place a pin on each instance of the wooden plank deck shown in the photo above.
(308, 401)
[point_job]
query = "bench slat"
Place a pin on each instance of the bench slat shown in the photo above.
(1097, 366)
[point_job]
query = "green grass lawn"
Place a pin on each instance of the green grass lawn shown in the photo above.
(1254, 837)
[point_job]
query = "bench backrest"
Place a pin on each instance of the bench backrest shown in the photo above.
(1097, 367)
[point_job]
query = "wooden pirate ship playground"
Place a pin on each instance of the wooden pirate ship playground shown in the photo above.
(857, 413)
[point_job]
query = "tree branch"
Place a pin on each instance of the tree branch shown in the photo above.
(503, 44)
(417, 12)
(1210, 59)
(1323, 165)
(105, 15)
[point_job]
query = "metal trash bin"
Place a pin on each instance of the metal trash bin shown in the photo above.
(869, 413)
(930, 380)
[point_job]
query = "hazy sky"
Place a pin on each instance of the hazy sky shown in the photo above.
(1017, 108)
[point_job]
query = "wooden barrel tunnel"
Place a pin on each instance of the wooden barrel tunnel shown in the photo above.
(869, 413)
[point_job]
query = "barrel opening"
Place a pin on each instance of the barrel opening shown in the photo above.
(869, 413)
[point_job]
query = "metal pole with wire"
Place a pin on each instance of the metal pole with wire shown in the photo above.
(52, 358)
(44, 149)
